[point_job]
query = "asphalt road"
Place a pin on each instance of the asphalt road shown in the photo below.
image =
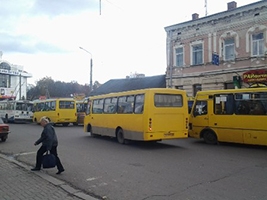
(186, 169)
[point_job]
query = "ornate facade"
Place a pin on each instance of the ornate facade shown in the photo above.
(220, 51)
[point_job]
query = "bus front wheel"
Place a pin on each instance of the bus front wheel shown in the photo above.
(120, 136)
(90, 130)
(210, 137)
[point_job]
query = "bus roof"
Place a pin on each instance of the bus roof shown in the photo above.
(138, 91)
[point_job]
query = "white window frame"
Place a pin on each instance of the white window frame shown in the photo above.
(257, 45)
(179, 57)
(199, 52)
(229, 49)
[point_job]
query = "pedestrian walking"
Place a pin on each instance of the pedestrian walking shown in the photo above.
(49, 143)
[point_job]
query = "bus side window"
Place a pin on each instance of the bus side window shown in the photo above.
(224, 104)
(120, 109)
(138, 108)
(242, 108)
(257, 108)
(201, 108)
(139, 103)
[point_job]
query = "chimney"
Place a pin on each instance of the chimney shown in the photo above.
(195, 16)
(231, 5)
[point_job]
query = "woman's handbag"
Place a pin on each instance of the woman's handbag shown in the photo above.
(49, 160)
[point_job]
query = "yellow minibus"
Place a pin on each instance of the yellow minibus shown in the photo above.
(59, 110)
(153, 114)
(81, 108)
(232, 115)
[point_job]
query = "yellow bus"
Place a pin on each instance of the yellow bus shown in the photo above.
(234, 115)
(81, 109)
(59, 110)
(153, 114)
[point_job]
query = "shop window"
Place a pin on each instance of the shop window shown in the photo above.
(196, 88)
(179, 87)
(229, 85)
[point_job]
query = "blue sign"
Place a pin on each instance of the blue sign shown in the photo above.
(215, 59)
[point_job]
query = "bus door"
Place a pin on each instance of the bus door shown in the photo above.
(199, 118)
(255, 128)
(258, 135)
(227, 125)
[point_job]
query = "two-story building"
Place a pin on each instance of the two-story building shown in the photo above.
(13, 80)
(219, 51)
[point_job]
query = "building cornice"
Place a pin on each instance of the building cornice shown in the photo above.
(219, 16)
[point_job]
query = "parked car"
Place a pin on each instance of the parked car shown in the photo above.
(4, 130)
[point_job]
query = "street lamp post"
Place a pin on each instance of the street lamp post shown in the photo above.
(91, 68)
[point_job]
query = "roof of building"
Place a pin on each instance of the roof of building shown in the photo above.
(120, 85)
(218, 15)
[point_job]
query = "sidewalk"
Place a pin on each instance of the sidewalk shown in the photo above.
(18, 182)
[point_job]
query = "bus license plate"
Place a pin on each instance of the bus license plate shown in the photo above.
(169, 134)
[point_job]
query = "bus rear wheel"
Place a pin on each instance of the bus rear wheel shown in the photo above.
(210, 137)
(120, 136)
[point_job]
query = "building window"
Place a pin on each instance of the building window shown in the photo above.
(179, 87)
(229, 49)
(179, 56)
(229, 85)
(4, 80)
(5, 65)
(197, 54)
(257, 44)
(196, 88)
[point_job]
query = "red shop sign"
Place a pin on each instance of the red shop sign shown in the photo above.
(255, 76)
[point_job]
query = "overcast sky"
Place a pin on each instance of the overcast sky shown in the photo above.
(124, 36)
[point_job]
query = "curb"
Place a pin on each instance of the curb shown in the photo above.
(63, 185)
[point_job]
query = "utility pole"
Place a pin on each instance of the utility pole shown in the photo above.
(91, 68)
(99, 7)
(206, 7)
(20, 86)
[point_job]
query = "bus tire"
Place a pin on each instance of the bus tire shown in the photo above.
(120, 136)
(90, 130)
(210, 137)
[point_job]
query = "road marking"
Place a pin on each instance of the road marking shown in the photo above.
(25, 153)
(93, 178)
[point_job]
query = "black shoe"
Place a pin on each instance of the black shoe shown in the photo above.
(35, 169)
(60, 171)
